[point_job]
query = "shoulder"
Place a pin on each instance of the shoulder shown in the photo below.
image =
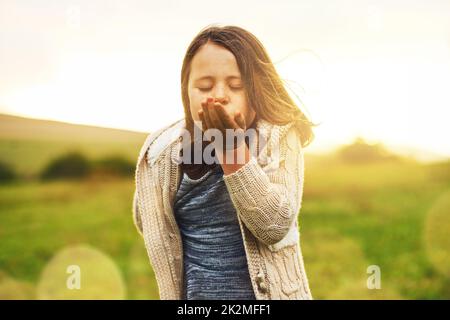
(279, 135)
(158, 140)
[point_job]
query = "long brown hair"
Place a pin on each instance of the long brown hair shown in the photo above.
(263, 86)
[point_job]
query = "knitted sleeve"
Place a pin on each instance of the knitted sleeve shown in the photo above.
(268, 202)
(136, 217)
(135, 209)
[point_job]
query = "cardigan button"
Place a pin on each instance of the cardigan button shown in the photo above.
(260, 276)
(262, 287)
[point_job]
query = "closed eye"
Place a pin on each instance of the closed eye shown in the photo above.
(231, 87)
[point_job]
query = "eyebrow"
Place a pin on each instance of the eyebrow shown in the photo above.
(212, 78)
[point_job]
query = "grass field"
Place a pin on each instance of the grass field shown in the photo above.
(390, 214)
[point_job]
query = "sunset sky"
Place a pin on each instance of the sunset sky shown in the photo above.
(376, 69)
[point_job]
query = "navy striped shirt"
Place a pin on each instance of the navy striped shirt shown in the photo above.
(215, 264)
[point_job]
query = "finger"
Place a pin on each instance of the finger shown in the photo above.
(207, 118)
(240, 120)
(201, 115)
(226, 119)
(215, 117)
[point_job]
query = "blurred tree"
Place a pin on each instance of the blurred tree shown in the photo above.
(72, 165)
(114, 166)
(7, 173)
(361, 152)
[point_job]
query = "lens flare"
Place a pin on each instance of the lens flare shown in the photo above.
(81, 272)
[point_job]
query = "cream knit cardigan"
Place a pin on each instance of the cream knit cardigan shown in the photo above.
(266, 193)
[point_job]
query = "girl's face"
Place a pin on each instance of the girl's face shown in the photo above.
(214, 73)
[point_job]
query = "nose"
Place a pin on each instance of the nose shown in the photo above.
(220, 95)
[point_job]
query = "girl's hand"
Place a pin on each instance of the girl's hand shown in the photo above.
(214, 116)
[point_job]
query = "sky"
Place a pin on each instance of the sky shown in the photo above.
(375, 69)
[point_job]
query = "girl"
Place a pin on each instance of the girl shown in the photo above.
(227, 229)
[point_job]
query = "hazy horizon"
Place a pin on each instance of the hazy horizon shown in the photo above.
(418, 154)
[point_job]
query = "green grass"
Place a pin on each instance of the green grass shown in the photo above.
(39, 219)
(342, 232)
(382, 211)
